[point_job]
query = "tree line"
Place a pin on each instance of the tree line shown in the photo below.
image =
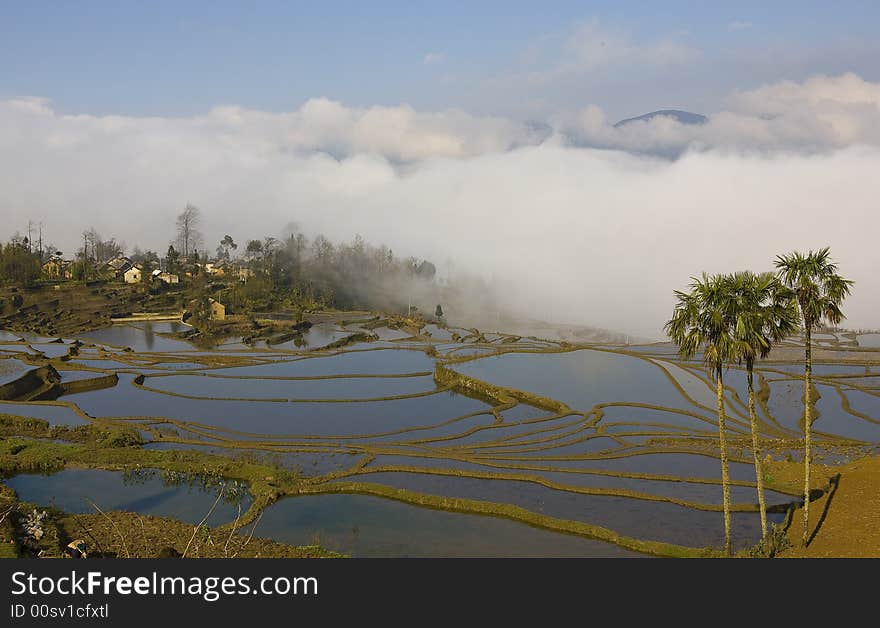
(292, 270)
(312, 273)
(738, 318)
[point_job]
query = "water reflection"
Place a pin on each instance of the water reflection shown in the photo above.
(151, 493)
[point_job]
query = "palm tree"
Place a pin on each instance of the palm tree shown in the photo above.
(819, 292)
(764, 312)
(701, 318)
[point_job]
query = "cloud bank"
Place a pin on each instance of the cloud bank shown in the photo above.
(818, 115)
(574, 220)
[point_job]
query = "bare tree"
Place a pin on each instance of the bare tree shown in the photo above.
(106, 250)
(97, 250)
(189, 237)
(90, 240)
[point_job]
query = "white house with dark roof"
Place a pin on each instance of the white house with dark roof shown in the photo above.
(133, 274)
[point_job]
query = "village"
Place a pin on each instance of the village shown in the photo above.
(264, 289)
(292, 273)
(155, 274)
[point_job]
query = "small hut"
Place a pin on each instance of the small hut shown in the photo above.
(217, 310)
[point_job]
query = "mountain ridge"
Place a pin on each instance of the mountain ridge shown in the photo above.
(684, 117)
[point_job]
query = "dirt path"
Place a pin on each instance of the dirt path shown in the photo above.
(845, 523)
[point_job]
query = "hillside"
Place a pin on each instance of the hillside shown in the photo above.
(77, 307)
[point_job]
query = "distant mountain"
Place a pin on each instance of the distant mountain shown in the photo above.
(685, 117)
(538, 131)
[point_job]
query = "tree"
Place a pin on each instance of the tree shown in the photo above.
(18, 264)
(226, 245)
(86, 255)
(106, 250)
(701, 319)
(765, 313)
(270, 257)
(426, 270)
(96, 249)
(189, 237)
(819, 291)
(150, 259)
(322, 249)
(172, 260)
(297, 243)
(254, 250)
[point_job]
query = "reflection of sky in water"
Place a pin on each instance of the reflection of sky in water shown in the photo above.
(143, 339)
(643, 519)
(579, 378)
(70, 491)
(11, 369)
(342, 388)
(74, 376)
(380, 362)
(282, 418)
(869, 340)
(56, 415)
(365, 525)
(832, 418)
(362, 525)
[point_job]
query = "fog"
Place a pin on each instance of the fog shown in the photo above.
(569, 219)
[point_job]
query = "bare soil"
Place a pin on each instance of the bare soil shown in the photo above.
(845, 521)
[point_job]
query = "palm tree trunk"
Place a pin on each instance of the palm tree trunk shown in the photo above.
(759, 472)
(725, 479)
(808, 425)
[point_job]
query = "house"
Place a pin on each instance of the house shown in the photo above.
(117, 267)
(119, 264)
(165, 277)
(245, 273)
(57, 268)
(132, 275)
(215, 269)
(52, 268)
(218, 310)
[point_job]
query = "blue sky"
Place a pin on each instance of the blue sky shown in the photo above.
(469, 131)
(179, 59)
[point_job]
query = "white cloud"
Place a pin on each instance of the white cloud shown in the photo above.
(592, 48)
(820, 114)
(780, 98)
(739, 25)
(592, 236)
(433, 58)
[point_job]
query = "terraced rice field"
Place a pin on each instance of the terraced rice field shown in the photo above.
(447, 442)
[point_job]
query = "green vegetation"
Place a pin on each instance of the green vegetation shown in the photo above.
(292, 273)
(764, 314)
(18, 263)
(702, 321)
(739, 318)
(819, 291)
